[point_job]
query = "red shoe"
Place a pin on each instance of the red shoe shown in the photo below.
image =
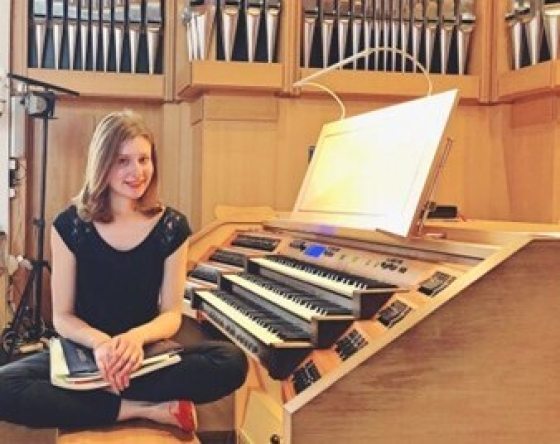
(185, 415)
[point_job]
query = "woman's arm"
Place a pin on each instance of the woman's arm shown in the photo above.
(63, 281)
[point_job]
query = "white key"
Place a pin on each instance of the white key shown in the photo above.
(275, 298)
(338, 287)
(264, 335)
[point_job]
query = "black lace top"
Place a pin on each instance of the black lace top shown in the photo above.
(117, 290)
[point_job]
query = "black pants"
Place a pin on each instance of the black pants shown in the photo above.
(207, 371)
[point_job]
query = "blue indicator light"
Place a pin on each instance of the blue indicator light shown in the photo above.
(315, 250)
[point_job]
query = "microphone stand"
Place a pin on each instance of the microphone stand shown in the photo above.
(27, 325)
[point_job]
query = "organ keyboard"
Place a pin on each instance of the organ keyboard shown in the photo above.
(309, 291)
(317, 308)
(303, 304)
(342, 283)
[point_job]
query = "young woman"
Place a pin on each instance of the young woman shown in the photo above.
(118, 270)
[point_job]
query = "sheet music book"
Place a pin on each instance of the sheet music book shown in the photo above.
(73, 366)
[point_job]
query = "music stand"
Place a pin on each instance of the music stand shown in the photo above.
(27, 324)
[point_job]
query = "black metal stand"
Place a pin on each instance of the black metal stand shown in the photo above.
(28, 325)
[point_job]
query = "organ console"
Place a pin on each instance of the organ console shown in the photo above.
(357, 333)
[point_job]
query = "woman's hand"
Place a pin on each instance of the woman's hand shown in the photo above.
(103, 353)
(126, 357)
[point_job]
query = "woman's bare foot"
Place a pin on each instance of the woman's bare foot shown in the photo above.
(178, 413)
(181, 413)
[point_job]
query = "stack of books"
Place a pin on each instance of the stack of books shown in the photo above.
(73, 366)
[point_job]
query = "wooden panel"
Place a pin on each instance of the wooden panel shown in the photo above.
(525, 81)
(479, 369)
(237, 165)
(169, 48)
(393, 84)
(501, 59)
(169, 155)
(179, 172)
(197, 196)
(289, 47)
(206, 74)
(474, 174)
(252, 108)
(298, 129)
(530, 176)
(18, 51)
(483, 44)
(491, 231)
(104, 84)
(180, 52)
(197, 111)
(529, 152)
(176, 160)
(533, 111)
(188, 168)
(556, 163)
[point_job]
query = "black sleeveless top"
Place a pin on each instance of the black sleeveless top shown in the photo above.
(118, 290)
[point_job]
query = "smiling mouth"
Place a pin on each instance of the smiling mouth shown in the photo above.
(134, 184)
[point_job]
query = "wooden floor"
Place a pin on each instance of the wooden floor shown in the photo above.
(17, 434)
(131, 432)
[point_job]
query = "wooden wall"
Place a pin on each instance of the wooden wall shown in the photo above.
(533, 159)
(253, 150)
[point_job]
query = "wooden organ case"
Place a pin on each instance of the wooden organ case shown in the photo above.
(363, 324)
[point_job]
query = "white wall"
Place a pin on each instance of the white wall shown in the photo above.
(5, 19)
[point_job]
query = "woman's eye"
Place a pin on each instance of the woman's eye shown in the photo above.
(122, 161)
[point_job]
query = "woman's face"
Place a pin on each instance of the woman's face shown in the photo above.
(133, 169)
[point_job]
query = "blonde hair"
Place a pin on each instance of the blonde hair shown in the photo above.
(112, 131)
